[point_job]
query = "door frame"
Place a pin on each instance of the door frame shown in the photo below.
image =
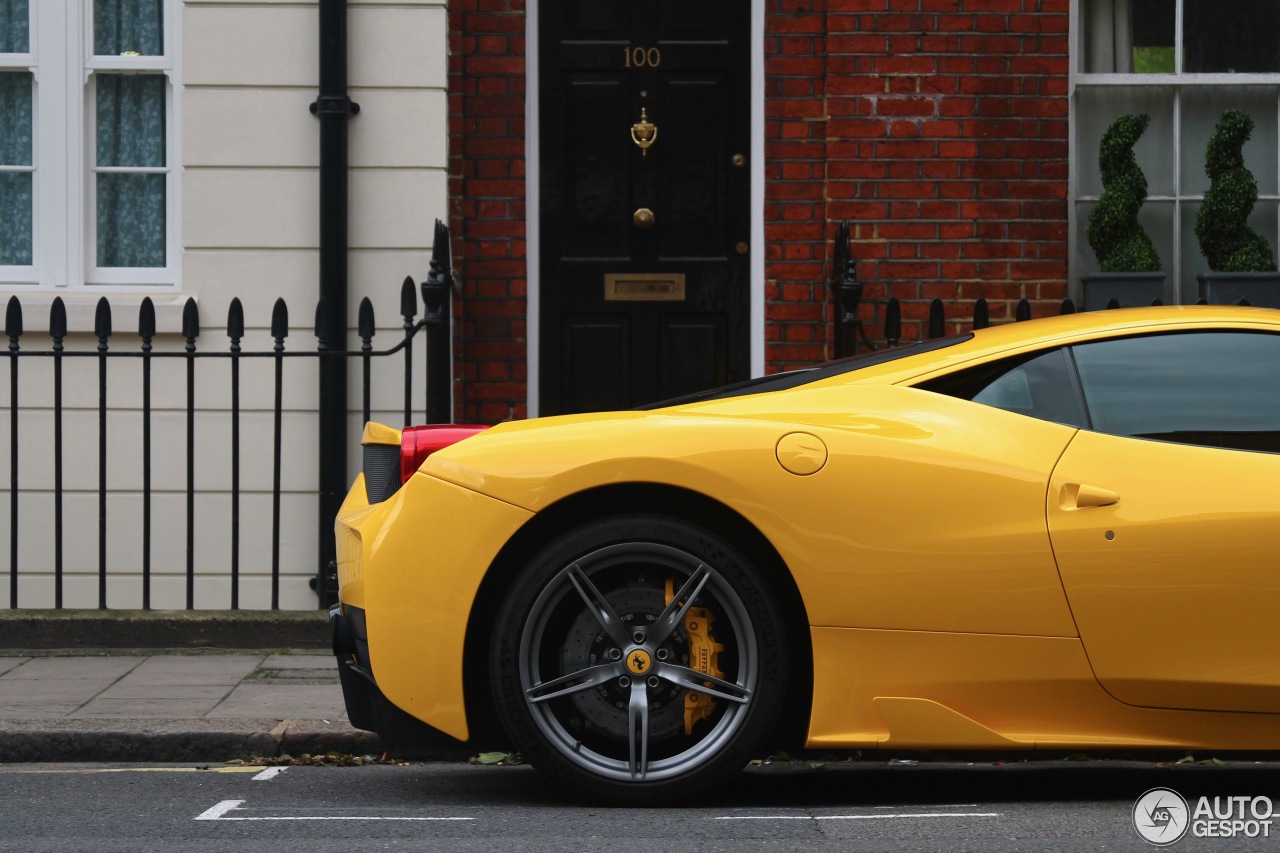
(533, 234)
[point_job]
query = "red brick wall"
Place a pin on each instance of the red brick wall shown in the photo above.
(487, 206)
(937, 127)
(797, 297)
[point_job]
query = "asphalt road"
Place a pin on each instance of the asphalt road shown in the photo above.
(845, 806)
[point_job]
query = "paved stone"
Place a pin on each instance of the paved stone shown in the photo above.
(144, 692)
(266, 699)
(159, 686)
(7, 664)
(154, 709)
(33, 693)
(47, 710)
(194, 670)
(165, 705)
(94, 668)
(309, 661)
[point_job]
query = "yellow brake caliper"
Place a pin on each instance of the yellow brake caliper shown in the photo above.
(704, 656)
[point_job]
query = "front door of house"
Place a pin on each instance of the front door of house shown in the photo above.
(644, 148)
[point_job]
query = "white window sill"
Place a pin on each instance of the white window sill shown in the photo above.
(82, 310)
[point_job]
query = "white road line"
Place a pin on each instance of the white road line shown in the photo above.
(219, 812)
(859, 816)
(84, 770)
(268, 774)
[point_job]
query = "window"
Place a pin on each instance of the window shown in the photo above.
(1217, 389)
(16, 162)
(88, 190)
(1183, 63)
(1039, 385)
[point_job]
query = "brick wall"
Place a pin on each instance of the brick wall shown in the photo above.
(937, 127)
(487, 206)
(946, 148)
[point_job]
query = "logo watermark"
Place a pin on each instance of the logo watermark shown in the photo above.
(1162, 817)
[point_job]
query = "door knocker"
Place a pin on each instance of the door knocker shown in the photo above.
(644, 133)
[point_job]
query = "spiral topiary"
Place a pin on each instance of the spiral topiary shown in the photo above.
(1222, 223)
(1114, 233)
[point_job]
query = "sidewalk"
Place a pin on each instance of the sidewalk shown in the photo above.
(204, 703)
(162, 705)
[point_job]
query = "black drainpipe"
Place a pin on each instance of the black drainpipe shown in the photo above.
(333, 108)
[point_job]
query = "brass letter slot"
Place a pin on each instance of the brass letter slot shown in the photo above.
(639, 287)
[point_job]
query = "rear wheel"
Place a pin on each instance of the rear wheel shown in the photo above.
(639, 659)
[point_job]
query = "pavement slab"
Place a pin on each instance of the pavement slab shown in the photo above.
(162, 708)
(93, 668)
(262, 698)
(7, 663)
(174, 686)
(179, 705)
(35, 694)
(176, 670)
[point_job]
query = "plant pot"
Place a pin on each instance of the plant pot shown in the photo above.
(1130, 289)
(1227, 288)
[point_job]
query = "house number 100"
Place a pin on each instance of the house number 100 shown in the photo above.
(639, 57)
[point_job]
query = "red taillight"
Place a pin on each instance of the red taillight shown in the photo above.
(419, 442)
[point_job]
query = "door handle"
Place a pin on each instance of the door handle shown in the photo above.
(1083, 495)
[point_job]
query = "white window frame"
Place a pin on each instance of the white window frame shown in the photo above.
(20, 275)
(1176, 83)
(64, 209)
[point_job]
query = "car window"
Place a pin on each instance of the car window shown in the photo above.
(1038, 385)
(1219, 389)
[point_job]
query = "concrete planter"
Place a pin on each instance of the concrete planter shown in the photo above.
(1130, 289)
(1227, 288)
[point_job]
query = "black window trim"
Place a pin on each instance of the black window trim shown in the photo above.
(1077, 387)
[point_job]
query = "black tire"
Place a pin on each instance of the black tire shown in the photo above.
(639, 660)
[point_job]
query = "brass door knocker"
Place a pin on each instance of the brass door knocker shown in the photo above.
(644, 133)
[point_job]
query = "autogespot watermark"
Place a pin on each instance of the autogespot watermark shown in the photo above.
(1162, 817)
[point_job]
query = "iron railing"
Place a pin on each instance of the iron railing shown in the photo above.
(434, 322)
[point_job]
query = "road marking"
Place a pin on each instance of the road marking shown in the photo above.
(86, 770)
(220, 811)
(859, 816)
(268, 774)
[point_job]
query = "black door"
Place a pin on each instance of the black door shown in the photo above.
(645, 199)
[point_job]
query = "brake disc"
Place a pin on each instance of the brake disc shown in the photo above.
(604, 709)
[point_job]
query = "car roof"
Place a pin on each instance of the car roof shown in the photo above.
(1011, 338)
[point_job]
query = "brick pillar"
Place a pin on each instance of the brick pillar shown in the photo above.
(797, 322)
(487, 205)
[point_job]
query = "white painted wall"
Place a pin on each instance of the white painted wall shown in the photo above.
(249, 226)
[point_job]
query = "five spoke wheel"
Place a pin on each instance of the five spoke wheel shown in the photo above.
(630, 657)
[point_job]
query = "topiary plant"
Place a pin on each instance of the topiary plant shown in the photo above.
(1222, 223)
(1114, 233)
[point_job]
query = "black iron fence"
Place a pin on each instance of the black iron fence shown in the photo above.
(434, 323)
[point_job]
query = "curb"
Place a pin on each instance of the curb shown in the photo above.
(197, 740)
(164, 629)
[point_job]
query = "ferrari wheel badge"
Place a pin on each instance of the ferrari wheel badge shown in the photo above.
(638, 661)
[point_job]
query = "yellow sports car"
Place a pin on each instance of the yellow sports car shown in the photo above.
(1055, 534)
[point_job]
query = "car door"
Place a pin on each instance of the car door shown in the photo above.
(1164, 516)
